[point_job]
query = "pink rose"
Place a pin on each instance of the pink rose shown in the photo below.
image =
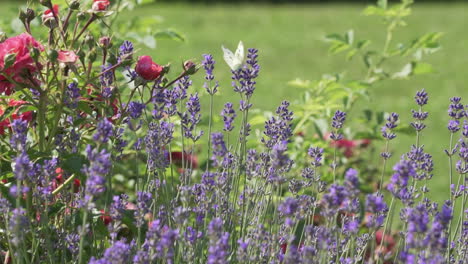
(48, 16)
(23, 65)
(148, 69)
(67, 56)
(100, 5)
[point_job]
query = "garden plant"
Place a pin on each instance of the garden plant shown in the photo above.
(104, 157)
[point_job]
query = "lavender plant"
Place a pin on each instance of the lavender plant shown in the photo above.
(71, 120)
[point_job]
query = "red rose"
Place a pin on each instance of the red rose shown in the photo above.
(66, 56)
(48, 16)
(19, 45)
(148, 69)
(26, 116)
(100, 5)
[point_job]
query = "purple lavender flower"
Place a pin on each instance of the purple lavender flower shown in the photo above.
(228, 114)
(125, 50)
(387, 129)
(337, 123)
(332, 200)
(208, 63)
(158, 136)
(219, 149)
(375, 203)
(399, 180)
(289, 206)
(107, 75)
(18, 226)
(421, 97)
(160, 242)
(19, 135)
(104, 131)
(72, 243)
(23, 166)
(245, 76)
(99, 166)
(118, 206)
(456, 108)
(218, 250)
(118, 253)
(423, 162)
(5, 206)
(453, 126)
(135, 109)
(72, 95)
(316, 154)
(143, 207)
(278, 128)
(352, 180)
(351, 225)
(419, 116)
(191, 118)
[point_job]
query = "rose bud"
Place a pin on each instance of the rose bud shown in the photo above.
(105, 42)
(30, 14)
(89, 40)
(148, 69)
(190, 67)
(75, 5)
(3, 36)
(48, 17)
(76, 185)
(46, 3)
(105, 217)
(100, 5)
(52, 55)
(65, 56)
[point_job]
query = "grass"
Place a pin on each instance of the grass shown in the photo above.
(289, 38)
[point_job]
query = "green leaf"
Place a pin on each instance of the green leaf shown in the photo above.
(73, 163)
(368, 114)
(170, 34)
(300, 83)
(422, 68)
(335, 38)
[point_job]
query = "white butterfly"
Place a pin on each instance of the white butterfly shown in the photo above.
(236, 60)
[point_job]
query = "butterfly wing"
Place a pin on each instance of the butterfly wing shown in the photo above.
(229, 58)
(240, 52)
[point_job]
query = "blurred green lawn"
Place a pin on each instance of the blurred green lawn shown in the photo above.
(290, 42)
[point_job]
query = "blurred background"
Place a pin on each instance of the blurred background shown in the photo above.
(290, 37)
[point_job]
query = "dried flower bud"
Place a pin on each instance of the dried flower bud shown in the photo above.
(75, 5)
(190, 67)
(105, 42)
